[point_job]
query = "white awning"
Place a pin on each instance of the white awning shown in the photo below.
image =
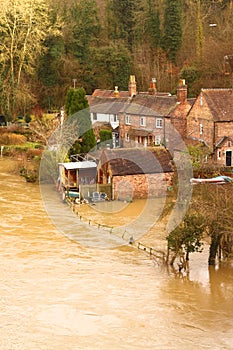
(78, 165)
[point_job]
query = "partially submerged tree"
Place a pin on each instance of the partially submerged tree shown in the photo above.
(186, 238)
(215, 203)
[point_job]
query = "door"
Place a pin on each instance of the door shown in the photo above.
(228, 158)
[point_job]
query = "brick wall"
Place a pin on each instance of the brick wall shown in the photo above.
(199, 118)
(135, 123)
(223, 129)
(141, 186)
(179, 119)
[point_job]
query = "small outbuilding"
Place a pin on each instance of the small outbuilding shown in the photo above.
(78, 176)
(135, 172)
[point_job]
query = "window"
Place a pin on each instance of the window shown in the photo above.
(115, 119)
(219, 154)
(127, 137)
(229, 144)
(142, 121)
(157, 140)
(201, 129)
(94, 116)
(127, 119)
(159, 123)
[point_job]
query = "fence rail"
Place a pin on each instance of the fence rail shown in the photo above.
(124, 234)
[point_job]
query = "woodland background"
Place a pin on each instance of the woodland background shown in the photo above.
(48, 46)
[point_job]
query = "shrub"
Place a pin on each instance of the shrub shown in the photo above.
(12, 139)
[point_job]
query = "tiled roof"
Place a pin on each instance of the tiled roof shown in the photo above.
(221, 142)
(110, 93)
(133, 161)
(140, 104)
(106, 105)
(220, 102)
(152, 105)
(140, 132)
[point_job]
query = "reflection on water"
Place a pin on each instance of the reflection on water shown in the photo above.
(58, 294)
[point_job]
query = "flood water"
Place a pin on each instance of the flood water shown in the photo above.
(59, 294)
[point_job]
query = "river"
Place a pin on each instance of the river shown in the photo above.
(59, 294)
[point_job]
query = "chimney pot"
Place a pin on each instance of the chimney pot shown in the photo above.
(116, 92)
(152, 88)
(182, 92)
(181, 82)
(132, 86)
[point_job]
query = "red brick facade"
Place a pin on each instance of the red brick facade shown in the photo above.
(135, 173)
(211, 121)
(140, 186)
(200, 124)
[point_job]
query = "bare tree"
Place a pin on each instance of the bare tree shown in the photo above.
(23, 25)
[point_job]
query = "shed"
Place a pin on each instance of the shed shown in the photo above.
(79, 176)
(135, 173)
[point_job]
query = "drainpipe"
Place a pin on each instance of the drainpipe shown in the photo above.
(214, 139)
(164, 131)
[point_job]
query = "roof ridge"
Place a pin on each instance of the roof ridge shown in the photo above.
(206, 89)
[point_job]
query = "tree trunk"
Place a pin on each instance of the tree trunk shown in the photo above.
(214, 245)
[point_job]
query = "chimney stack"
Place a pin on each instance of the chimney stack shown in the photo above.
(132, 86)
(116, 92)
(152, 88)
(182, 92)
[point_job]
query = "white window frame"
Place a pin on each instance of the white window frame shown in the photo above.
(201, 129)
(157, 140)
(159, 123)
(127, 119)
(95, 117)
(219, 155)
(127, 137)
(142, 121)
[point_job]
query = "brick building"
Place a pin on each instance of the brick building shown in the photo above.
(211, 121)
(144, 118)
(135, 173)
(141, 118)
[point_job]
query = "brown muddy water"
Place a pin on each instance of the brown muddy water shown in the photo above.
(57, 293)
